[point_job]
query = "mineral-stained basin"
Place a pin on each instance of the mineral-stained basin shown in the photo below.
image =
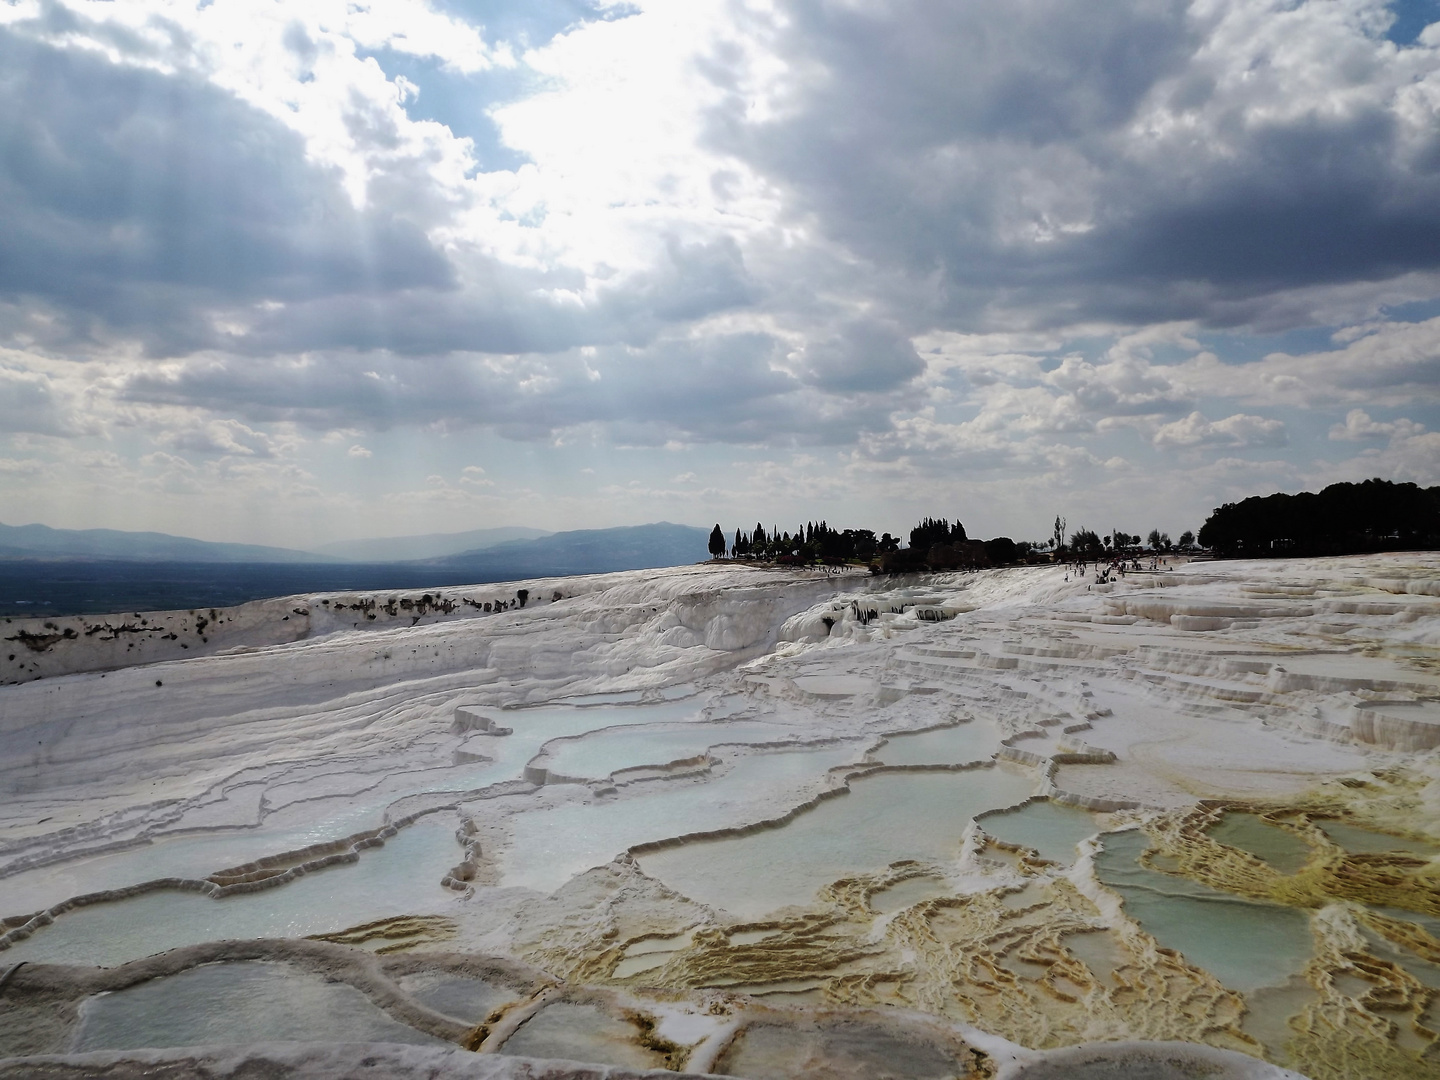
(1360, 841)
(1244, 944)
(463, 997)
(1283, 850)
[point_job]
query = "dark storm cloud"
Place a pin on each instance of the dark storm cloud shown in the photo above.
(863, 356)
(1002, 147)
(140, 200)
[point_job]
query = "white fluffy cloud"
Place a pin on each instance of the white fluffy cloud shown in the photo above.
(1233, 431)
(1358, 426)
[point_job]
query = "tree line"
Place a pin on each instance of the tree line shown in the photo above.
(1088, 544)
(813, 542)
(934, 544)
(1342, 519)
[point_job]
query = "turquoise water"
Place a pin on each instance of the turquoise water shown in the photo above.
(1244, 944)
(884, 818)
(1367, 842)
(606, 752)
(401, 878)
(551, 846)
(958, 745)
(1282, 849)
(1050, 828)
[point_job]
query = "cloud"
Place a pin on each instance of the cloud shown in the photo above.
(1036, 244)
(863, 356)
(140, 204)
(1358, 426)
(1381, 363)
(1040, 162)
(1123, 386)
(223, 437)
(726, 388)
(30, 401)
(1233, 431)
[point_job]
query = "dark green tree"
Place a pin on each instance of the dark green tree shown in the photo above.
(717, 542)
(934, 531)
(1343, 519)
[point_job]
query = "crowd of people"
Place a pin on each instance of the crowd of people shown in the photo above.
(1118, 565)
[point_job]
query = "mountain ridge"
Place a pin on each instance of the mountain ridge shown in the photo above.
(43, 542)
(424, 546)
(590, 551)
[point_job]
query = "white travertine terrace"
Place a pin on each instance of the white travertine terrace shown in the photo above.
(736, 819)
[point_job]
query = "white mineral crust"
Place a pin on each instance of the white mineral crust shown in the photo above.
(199, 762)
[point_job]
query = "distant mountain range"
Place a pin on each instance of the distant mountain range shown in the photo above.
(43, 542)
(586, 551)
(478, 555)
(428, 546)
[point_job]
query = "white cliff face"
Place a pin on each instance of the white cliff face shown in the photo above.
(751, 786)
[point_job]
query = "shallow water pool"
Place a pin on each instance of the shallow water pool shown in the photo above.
(603, 753)
(1050, 828)
(581, 1033)
(1282, 849)
(1360, 841)
(841, 1050)
(1244, 944)
(319, 820)
(883, 819)
(908, 893)
(975, 740)
(401, 878)
(247, 1001)
(551, 846)
(463, 997)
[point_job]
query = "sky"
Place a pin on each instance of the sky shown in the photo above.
(295, 272)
